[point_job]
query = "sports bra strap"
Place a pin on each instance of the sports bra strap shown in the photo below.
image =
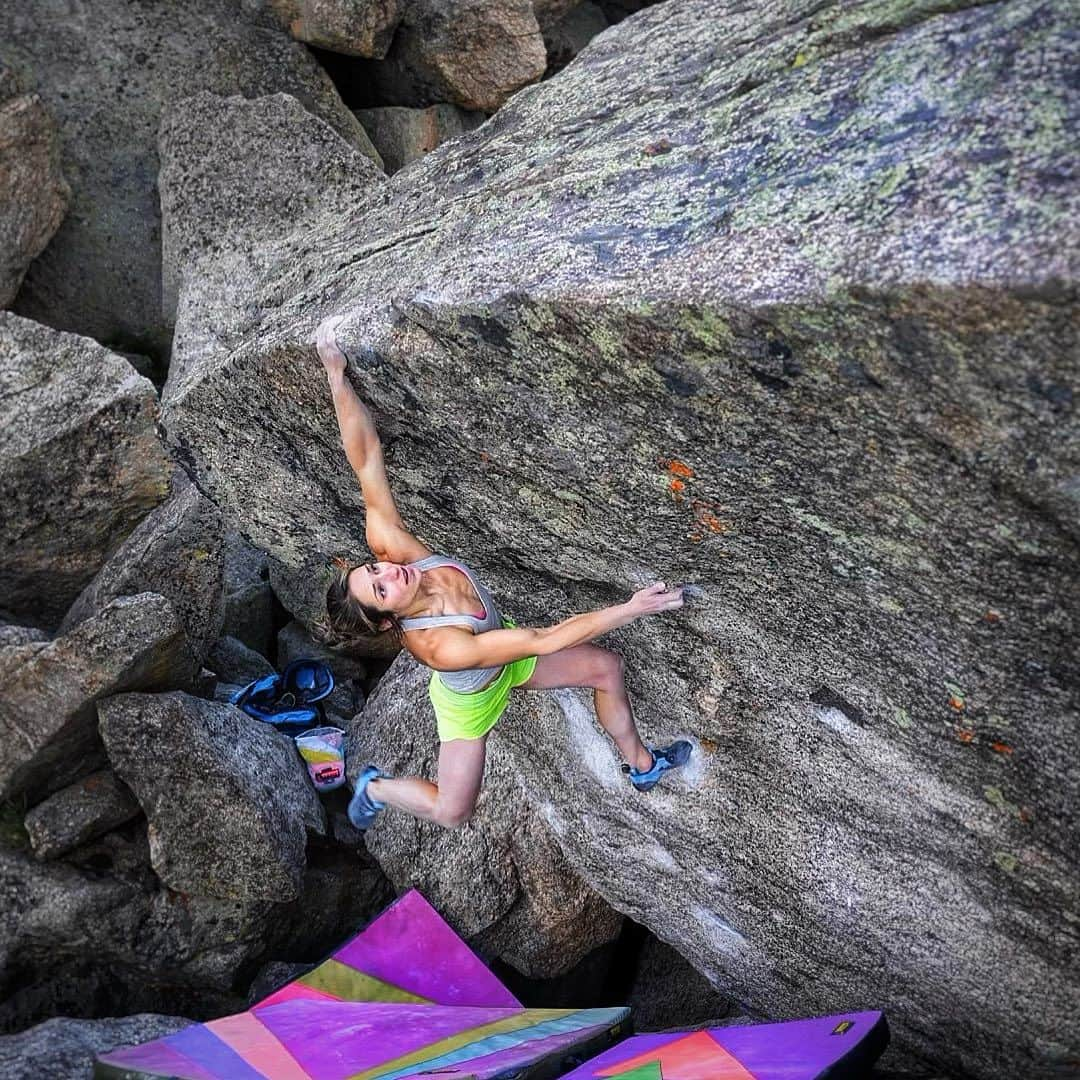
(423, 622)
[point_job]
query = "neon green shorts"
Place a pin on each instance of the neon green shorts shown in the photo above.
(472, 716)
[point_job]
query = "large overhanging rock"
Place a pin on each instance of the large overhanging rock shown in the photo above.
(178, 550)
(34, 195)
(782, 300)
(227, 797)
(106, 69)
(501, 880)
(48, 690)
(80, 463)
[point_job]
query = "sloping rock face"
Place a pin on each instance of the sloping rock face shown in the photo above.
(779, 299)
(105, 69)
(226, 796)
(80, 464)
(501, 880)
(209, 234)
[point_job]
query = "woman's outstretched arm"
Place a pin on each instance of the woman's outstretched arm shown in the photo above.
(386, 533)
(454, 649)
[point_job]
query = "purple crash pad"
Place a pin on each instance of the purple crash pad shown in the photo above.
(406, 997)
(823, 1048)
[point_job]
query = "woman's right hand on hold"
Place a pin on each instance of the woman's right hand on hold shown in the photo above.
(656, 598)
(330, 354)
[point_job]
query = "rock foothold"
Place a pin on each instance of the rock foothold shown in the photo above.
(227, 797)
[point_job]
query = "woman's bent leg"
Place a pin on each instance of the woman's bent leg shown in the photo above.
(602, 670)
(450, 803)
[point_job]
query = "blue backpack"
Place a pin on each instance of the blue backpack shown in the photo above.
(291, 701)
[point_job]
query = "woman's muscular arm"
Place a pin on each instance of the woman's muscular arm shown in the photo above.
(455, 649)
(386, 533)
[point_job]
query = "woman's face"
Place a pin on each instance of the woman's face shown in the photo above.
(386, 586)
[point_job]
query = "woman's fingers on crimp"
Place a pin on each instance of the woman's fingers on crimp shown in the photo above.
(658, 597)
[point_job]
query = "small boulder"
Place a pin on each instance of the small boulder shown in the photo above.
(274, 976)
(235, 664)
(65, 1048)
(352, 27)
(13, 634)
(249, 600)
(34, 195)
(227, 797)
(401, 134)
(565, 38)
(48, 727)
(178, 551)
(80, 463)
(78, 813)
(472, 53)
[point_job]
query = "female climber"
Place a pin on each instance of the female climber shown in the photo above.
(446, 618)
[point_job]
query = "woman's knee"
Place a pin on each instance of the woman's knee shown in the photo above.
(612, 674)
(452, 817)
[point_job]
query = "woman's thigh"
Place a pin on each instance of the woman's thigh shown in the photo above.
(580, 665)
(461, 771)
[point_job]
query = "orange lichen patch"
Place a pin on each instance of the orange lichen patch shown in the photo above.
(677, 486)
(708, 745)
(992, 615)
(965, 735)
(714, 524)
(1001, 748)
(957, 703)
(677, 468)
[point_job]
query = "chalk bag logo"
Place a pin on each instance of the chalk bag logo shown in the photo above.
(843, 1027)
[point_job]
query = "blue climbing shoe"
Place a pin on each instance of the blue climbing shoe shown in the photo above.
(671, 757)
(362, 807)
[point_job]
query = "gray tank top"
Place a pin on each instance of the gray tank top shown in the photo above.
(472, 679)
